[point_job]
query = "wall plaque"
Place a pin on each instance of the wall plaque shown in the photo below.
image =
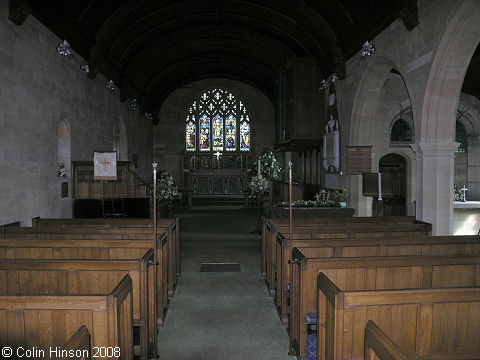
(358, 159)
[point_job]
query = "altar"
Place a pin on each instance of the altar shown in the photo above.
(466, 217)
(217, 174)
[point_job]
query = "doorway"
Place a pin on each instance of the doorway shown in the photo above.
(393, 167)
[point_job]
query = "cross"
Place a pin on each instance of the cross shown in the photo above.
(464, 190)
(105, 162)
(217, 154)
(323, 194)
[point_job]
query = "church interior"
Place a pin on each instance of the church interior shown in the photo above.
(242, 179)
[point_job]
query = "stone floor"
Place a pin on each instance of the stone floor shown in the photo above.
(221, 315)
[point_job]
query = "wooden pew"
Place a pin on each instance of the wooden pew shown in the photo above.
(379, 346)
(357, 230)
(77, 347)
(80, 277)
(108, 229)
(270, 226)
(436, 323)
(371, 273)
(163, 225)
(22, 248)
(425, 245)
(45, 321)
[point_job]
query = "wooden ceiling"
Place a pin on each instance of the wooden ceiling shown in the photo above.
(150, 48)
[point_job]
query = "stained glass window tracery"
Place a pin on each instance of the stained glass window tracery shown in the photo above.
(223, 123)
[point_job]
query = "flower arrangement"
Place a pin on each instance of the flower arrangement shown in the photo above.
(457, 194)
(61, 170)
(258, 184)
(339, 196)
(304, 203)
(167, 191)
(270, 167)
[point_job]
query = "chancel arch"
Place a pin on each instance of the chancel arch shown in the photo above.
(435, 150)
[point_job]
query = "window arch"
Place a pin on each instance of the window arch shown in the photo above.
(461, 137)
(217, 121)
(401, 131)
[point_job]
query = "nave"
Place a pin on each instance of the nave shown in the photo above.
(221, 315)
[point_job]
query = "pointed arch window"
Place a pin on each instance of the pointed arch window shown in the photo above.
(461, 137)
(223, 123)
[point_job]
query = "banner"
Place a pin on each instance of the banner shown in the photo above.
(105, 166)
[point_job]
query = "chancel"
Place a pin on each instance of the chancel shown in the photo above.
(339, 128)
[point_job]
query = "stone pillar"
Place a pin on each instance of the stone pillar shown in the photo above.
(435, 168)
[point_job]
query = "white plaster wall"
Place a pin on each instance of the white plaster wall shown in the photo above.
(169, 134)
(38, 89)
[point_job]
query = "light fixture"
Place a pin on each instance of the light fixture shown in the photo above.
(85, 68)
(148, 116)
(134, 104)
(64, 49)
(110, 85)
(368, 49)
(323, 85)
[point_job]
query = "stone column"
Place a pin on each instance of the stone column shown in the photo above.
(435, 168)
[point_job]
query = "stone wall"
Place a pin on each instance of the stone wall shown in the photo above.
(169, 134)
(38, 90)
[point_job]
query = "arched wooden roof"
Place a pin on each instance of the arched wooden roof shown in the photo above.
(150, 48)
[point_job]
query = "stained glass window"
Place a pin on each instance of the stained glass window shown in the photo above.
(217, 133)
(245, 136)
(191, 135)
(231, 133)
(223, 123)
(204, 133)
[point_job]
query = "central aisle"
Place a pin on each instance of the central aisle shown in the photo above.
(221, 315)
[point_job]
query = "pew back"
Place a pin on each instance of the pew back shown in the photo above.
(50, 320)
(426, 245)
(89, 277)
(15, 248)
(272, 225)
(109, 229)
(433, 323)
(77, 347)
(358, 229)
(371, 273)
(379, 346)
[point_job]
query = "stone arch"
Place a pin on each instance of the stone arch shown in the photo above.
(361, 126)
(448, 72)
(435, 150)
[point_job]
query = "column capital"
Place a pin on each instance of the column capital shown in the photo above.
(444, 148)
